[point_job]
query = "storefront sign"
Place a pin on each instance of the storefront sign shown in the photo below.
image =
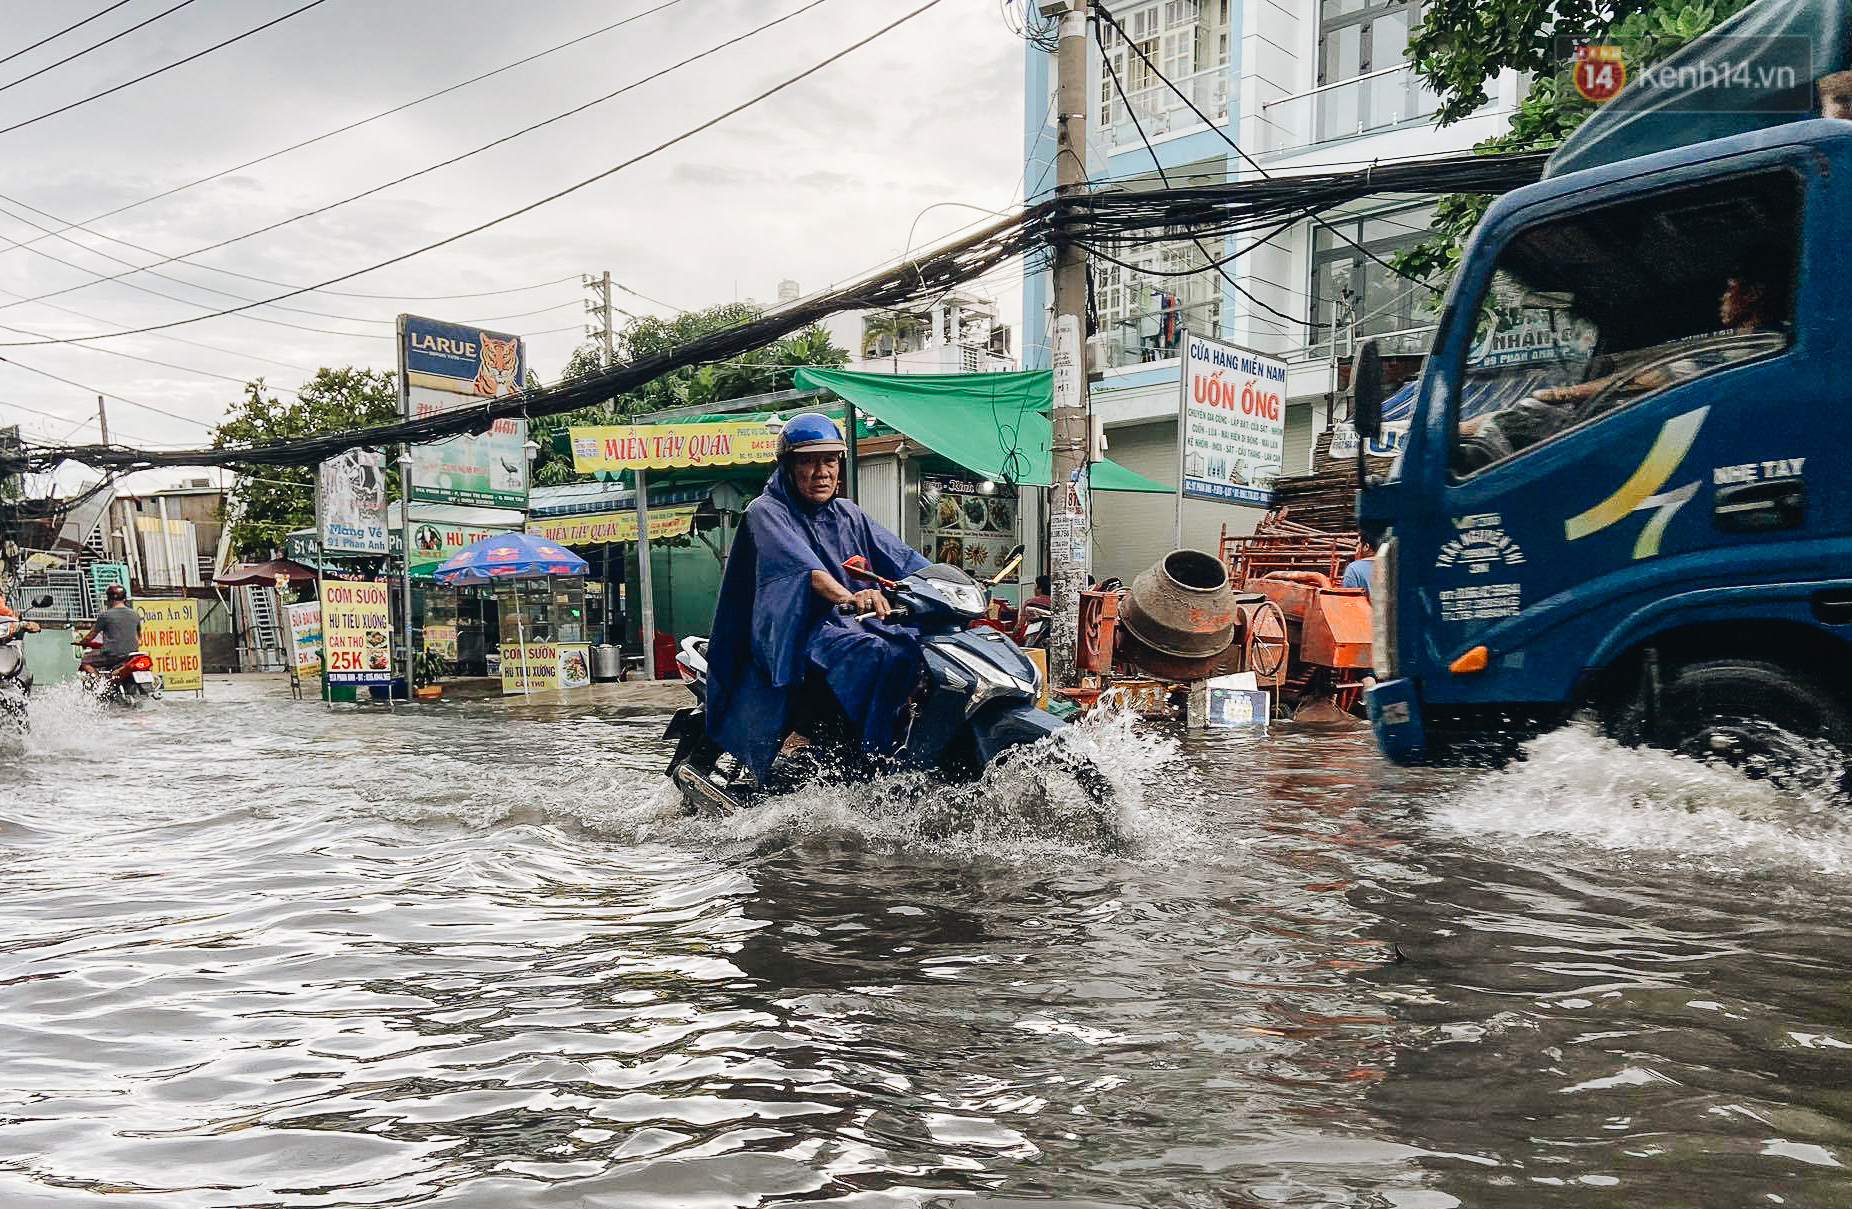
(305, 633)
(964, 525)
(441, 640)
(444, 367)
(350, 502)
(357, 632)
(1232, 422)
(170, 635)
(545, 666)
(614, 528)
(671, 446)
(433, 544)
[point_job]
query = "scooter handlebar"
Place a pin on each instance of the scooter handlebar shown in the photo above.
(851, 609)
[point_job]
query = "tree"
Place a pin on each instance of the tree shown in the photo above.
(273, 501)
(1462, 45)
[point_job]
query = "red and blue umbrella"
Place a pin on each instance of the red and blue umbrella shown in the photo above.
(508, 556)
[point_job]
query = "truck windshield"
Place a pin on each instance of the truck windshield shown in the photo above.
(1593, 312)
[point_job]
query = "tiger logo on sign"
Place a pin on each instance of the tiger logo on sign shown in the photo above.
(499, 368)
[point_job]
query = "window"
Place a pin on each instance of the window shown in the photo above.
(1347, 255)
(1590, 314)
(1357, 38)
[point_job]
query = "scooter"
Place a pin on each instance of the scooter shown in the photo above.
(15, 676)
(974, 708)
(129, 683)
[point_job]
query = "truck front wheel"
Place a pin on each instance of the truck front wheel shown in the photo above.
(1766, 720)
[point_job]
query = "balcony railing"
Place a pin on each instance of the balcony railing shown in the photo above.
(1160, 110)
(1349, 107)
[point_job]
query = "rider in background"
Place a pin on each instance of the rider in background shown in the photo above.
(6, 612)
(120, 628)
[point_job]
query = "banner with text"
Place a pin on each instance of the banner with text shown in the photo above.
(671, 446)
(444, 367)
(545, 666)
(433, 544)
(614, 528)
(350, 502)
(305, 637)
(1232, 422)
(357, 631)
(170, 636)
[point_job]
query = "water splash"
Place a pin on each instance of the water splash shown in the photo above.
(1577, 788)
(1080, 795)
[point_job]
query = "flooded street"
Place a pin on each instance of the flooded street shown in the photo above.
(263, 953)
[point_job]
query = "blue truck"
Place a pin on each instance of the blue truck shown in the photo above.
(1624, 491)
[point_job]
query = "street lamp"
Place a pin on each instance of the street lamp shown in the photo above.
(405, 557)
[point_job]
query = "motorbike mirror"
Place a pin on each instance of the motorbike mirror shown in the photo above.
(1366, 387)
(42, 601)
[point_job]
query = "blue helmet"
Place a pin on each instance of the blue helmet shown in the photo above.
(809, 432)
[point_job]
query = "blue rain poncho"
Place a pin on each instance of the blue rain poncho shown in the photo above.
(771, 629)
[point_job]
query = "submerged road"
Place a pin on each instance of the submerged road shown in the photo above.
(263, 953)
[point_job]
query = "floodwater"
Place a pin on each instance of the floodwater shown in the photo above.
(262, 953)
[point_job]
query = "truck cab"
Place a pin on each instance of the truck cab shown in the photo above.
(1623, 490)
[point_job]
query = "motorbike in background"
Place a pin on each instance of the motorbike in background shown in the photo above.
(129, 683)
(15, 676)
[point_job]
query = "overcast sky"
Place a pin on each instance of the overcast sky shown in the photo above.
(819, 183)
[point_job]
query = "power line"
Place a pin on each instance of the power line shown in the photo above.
(211, 348)
(133, 269)
(455, 159)
(1120, 219)
(67, 29)
(531, 206)
(342, 130)
(93, 390)
(1099, 35)
(94, 46)
(96, 96)
(1223, 134)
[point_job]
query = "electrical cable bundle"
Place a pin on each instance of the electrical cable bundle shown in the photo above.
(1107, 220)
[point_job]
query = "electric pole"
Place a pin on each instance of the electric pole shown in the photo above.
(1068, 525)
(601, 307)
(102, 419)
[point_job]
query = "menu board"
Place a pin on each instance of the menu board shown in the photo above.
(966, 526)
(545, 666)
(357, 631)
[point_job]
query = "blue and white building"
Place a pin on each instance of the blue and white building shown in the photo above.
(1299, 86)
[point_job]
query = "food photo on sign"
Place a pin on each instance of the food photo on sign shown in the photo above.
(968, 523)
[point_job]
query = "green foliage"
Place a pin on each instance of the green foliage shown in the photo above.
(430, 667)
(1462, 45)
(268, 504)
(757, 372)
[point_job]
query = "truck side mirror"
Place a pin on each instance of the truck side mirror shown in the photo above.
(1366, 392)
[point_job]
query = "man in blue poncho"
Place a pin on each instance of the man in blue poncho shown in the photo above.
(778, 648)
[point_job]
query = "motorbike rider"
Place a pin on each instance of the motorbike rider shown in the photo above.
(120, 627)
(7, 613)
(778, 646)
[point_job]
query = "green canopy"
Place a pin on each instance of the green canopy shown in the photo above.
(995, 425)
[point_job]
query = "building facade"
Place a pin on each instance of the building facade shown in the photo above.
(1233, 90)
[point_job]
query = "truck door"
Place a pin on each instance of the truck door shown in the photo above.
(1641, 394)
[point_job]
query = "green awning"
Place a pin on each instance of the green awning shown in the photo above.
(994, 425)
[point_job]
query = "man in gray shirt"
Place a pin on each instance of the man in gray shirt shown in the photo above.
(120, 628)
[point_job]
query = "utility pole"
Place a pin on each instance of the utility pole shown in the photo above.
(607, 333)
(600, 287)
(102, 419)
(1067, 518)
